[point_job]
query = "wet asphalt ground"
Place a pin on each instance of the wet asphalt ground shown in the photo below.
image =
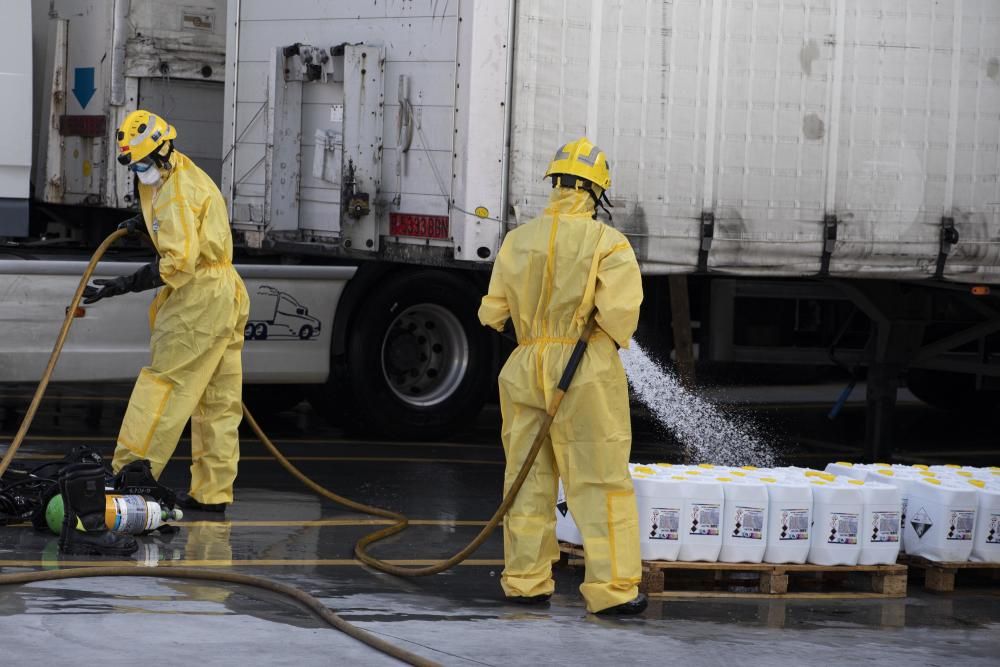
(278, 529)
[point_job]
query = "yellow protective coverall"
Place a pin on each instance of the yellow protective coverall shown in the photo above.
(548, 277)
(197, 323)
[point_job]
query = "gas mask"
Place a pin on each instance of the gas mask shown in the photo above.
(146, 172)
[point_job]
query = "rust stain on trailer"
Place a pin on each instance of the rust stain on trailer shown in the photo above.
(813, 127)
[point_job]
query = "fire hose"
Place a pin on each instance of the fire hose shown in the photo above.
(360, 549)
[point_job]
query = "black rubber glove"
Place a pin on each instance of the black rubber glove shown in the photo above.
(146, 278)
(132, 225)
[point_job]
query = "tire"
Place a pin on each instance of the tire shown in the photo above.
(249, 331)
(306, 332)
(260, 331)
(955, 392)
(419, 365)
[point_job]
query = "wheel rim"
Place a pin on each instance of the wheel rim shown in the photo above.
(425, 354)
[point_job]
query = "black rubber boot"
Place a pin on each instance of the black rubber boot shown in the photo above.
(82, 487)
(530, 600)
(636, 606)
(185, 501)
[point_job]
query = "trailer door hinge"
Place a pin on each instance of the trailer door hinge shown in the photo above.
(829, 242)
(949, 239)
(707, 234)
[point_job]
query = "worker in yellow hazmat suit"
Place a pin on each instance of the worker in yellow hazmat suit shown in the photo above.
(548, 276)
(197, 319)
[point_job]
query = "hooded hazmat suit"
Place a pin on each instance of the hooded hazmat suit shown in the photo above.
(197, 322)
(548, 277)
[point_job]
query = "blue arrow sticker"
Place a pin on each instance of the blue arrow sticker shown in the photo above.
(83, 85)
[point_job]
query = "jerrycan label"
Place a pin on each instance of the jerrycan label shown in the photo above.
(885, 526)
(664, 523)
(705, 519)
(561, 503)
(993, 534)
(961, 524)
(748, 523)
(794, 525)
(843, 529)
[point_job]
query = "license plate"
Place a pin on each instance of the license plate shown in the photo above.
(421, 226)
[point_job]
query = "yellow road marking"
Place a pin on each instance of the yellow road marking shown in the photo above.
(375, 459)
(248, 441)
(109, 399)
(321, 523)
(329, 522)
(319, 562)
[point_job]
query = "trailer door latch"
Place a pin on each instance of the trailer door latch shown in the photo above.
(829, 242)
(949, 239)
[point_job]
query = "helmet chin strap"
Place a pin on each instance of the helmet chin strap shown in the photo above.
(162, 160)
(600, 202)
(583, 184)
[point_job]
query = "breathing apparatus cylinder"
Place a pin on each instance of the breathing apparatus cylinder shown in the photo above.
(130, 514)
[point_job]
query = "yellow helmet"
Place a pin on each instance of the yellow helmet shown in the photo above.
(583, 159)
(140, 134)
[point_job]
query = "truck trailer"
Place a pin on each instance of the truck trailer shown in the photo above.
(807, 182)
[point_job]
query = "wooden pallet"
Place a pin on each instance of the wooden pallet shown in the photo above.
(665, 579)
(939, 576)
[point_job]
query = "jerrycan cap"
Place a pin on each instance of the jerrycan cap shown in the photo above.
(846, 464)
(977, 483)
(886, 472)
(645, 470)
(856, 482)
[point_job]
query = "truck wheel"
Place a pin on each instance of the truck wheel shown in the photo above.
(306, 332)
(418, 361)
(955, 392)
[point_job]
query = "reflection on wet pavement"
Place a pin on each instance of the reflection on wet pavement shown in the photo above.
(278, 530)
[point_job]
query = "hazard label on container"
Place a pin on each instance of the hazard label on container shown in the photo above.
(748, 523)
(921, 522)
(961, 524)
(664, 523)
(705, 519)
(561, 503)
(993, 533)
(885, 526)
(843, 529)
(794, 525)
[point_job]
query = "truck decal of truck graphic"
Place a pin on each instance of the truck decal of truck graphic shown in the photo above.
(277, 315)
